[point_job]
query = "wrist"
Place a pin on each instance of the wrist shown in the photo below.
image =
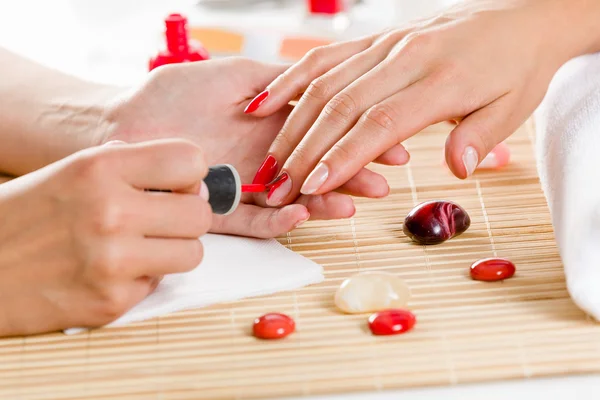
(572, 27)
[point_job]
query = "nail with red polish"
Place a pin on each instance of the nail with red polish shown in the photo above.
(267, 171)
(256, 102)
(279, 190)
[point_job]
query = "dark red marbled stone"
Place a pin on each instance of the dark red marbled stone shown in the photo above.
(434, 222)
(492, 269)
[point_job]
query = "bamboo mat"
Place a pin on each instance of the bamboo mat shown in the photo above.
(467, 331)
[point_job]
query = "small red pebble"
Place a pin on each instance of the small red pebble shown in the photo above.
(273, 326)
(391, 322)
(492, 269)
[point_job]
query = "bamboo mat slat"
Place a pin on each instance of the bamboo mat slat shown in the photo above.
(467, 331)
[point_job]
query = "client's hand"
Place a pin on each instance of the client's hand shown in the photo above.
(82, 241)
(204, 102)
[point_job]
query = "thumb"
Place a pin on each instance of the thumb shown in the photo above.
(478, 133)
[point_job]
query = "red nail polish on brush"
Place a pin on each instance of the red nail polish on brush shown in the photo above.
(180, 48)
(277, 183)
(267, 171)
(256, 102)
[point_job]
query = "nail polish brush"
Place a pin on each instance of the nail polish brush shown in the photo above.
(225, 188)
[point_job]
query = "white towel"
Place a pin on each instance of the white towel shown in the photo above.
(568, 153)
(233, 268)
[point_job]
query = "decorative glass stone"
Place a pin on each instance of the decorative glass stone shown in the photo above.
(434, 222)
(391, 322)
(492, 269)
(371, 291)
(273, 326)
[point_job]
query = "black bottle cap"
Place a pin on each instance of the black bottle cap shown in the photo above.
(224, 188)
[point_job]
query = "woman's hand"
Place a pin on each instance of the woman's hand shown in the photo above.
(204, 102)
(82, 241)
(486, 63)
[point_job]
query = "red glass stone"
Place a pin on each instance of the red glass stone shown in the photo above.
(273, 326)
(391, 322)
(434, 222)
(492, 269)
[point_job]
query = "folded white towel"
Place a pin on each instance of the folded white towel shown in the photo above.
(568, 153)
(233, 268)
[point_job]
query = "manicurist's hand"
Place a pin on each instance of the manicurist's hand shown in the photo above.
(486, 63)
(82, 241)
(204, 103)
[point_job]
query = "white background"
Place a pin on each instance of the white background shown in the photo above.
(111, 40)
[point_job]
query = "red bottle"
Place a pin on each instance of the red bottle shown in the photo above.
(326, 6)
(180, 48)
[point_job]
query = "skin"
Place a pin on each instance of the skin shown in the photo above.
(92, 243)
(485, 64)
(82, 240)
(223, 131)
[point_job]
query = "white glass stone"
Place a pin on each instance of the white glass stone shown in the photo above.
(371, 291)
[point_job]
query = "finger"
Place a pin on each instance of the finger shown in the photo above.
(479, 133)
(380, 128)
(323, 88)
(252, 76)
(397, 155)
(168, 164)
(297, 78)
(138, 257)
(339, 116)
(498, 158)
(255, 221)
(328, 206)
(171, 215)
(366, 184)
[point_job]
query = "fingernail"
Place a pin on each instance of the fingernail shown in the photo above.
(113, 142)
(256, 102)
(267, 171)
(470, 160)
(279, 190)
(316, 179)
(301, 221)
(204, 191)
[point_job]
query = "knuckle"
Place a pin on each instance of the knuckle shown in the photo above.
(391, 37)
(342, 154)
(93, 165)
(342, 105)
(417, 42)
(313, 55)
(450, 71)
(106, 263)
(319, 89)
(383, 116)
(313, 60)
(107, 218)
(284, 139)
(484, 135)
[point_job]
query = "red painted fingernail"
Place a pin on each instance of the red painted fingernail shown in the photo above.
(267, 171)
(276, 200)
(256, 102)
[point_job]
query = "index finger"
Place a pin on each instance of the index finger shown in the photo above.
(287, 86)
(170, 164)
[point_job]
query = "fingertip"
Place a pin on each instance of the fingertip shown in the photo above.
(454, 156)
(396, 156)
